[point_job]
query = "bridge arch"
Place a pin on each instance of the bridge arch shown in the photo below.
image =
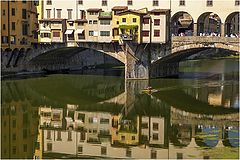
(182, 22)
(63, 58)
(207, 23)
(232, 24)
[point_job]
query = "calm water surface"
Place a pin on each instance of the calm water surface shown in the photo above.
(85, 116)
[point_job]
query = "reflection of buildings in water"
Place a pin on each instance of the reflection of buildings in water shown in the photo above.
(226, 95)
(152, 129)
(18, 131)
(100, 134)
(103, 134)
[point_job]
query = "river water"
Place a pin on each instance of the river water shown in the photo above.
(87, 116)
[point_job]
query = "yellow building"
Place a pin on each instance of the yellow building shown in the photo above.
(115, 21)
(40, 11)
(18, 24)
(18, 130)
(130, 25)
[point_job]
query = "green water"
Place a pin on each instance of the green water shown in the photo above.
(86, 116)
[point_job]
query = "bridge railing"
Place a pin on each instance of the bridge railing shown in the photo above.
(195, 39)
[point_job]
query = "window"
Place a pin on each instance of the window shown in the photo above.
(104, 2)
(133, 138)
(93, 13)
(49, 146)
(13, 11)
(24, 29)
(209, 3)
(70, 23)
(80, 149)
(69, 13)
(48, 13)
(56, 34)
(80, 2)
(103, 150)
(25, 148)
(105, 22)
(129, 3)
(14, 150)
(179, 156)
(49, 2)
(24, 13)
(123, 19)
(123, 138)
(90, 22)
(105, 33)
(91, 34)
(153, 154)
(155, 2)
(23, 1)
(156, 22)
(59, 138)
(156, 33)
(104, 120)
(128, 152)
(4, 26)
(94, 21)
(13, 26)
(155, 126)
(3, 12)
(59, 13)
(48, 134)
(155, 136)
(182, 3)
(44, 35)
(13, 39)
(237, 2)
(134, 20)
(4, 39)
(144, 124)
(14, 137)
(146, 21)
(145, 34)
(69, 136)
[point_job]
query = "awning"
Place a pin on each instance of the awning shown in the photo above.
(69, 32)
(42, 31)
(79, 30)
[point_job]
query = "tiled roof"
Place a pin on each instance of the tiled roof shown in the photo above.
(94, 9)
(118, 8)
(53, 19)
(81, 20)
(159, 10)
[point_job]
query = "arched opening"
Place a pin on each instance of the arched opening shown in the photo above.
(207, 136)
(231, 137)
(232, 25)
(209, 24)
(182, 24)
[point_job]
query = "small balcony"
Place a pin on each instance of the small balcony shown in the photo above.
(126, 37)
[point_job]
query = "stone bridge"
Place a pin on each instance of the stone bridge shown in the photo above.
(141, 60)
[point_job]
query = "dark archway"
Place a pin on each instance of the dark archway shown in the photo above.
(209, 24)
(232, 24)
(182, 24)
(181, 135)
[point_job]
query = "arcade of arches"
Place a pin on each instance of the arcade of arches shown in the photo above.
(207, 24)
